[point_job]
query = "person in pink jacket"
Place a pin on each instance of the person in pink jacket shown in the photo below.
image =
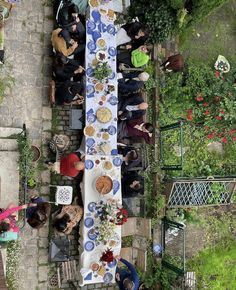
(8, 217)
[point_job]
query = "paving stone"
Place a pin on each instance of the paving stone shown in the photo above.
(43, 232)
(43, 273)
(43, 243)
(47, 113)
(46, 176)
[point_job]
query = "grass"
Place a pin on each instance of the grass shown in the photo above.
(13, 254)
(215, 35)
(216, 268)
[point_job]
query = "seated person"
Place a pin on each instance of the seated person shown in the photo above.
(68, 218)
(37, 216)
(135, 128)
(132, 108)
(130, 157)
(131, 82)
(8, 217)
(132, 184)
(174, 63)
(60, 45)
(64, 68)
(69, 93)
(127, 279)
(134, 33)
(70, 165)
(134, 58)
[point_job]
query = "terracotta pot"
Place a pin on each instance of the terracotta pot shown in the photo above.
(36, 153)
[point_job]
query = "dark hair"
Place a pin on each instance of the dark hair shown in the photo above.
(4, 227)
(133, 28)
(60, 59)
(43, 209)
(128, 284)
(132, 155)
(73, 8)
(76, 88)
(149, 127)
(61, 223)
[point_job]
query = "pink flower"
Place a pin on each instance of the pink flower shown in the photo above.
(222, 112)
(219, 118)
(210, 136)
(234, 139)
(217, 73)
(224, 140)
(206, 113)
(205, 104)
(199, 99)
(216, 99)
(232, 132)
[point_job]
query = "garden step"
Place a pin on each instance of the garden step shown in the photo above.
(8, 145)
(4, 258)
(8, 131)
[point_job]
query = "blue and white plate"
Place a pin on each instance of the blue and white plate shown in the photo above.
(90, 142)
(89, 72)
(107, 278)
(90, 111)
(113, 100)
(89, 246)
(90, 89)
(111, 130)
(91, 151)
(111, 29)
(91, 25)
(88, 222)
(91, 118)
(96, 16)
(112, 264)
(92, 234)
(114, 152)
(89, 164)
(117, 161)
(91, 45)
(116, 186)
(92, 206)
(95, 35)
(112, 51)
(112, 76)
(89, 276)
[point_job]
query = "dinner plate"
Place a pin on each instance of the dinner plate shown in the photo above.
(89, 72)
(107, 278)
(113, 100)
(96, 16)
(101, 55)
(90, 142)
(88, 222)
(111, 130)
(96, 35)
(89, 246)
(111, 29)
(112, 51)
(90, 89)
(112, 264)
(91, 118)
(91, 205)
(92, 234)
(91, 25)
(112, 76)
(89, 164)
(117, 161)
(91, 45)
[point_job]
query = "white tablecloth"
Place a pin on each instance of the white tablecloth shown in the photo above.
(90, 195)
(100, 26)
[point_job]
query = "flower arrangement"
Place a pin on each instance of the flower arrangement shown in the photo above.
(102, 71)
(106, 230)
(112, 211)
(107, 256)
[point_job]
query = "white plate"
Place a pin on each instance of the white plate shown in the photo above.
(103, 54)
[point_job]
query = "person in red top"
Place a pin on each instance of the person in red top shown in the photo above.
(71, 165)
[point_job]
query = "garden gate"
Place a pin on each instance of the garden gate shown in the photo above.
(201, 192)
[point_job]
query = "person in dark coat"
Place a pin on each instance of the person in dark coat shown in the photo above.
(64, 68)
(127, 279)
(69, 93)
(135, 128)
(131, 157)
(132, 108)
(131, 82)
(132, 184)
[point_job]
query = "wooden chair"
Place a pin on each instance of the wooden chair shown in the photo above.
(67, 272)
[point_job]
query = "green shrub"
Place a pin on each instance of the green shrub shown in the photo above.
(160, 18)
(6, 80)
(176, 4)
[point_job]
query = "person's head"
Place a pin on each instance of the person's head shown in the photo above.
(60, 59)
(136, 185)
(79, 165)
(35, 221)
(128, 284)
(144, 76)
(73, 10)
(76, 89)
(4, 227)
(60, 224)
(148, 127)
(143, 106)
(132, 155)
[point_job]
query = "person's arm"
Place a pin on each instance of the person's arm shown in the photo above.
(134, 274)
(9, 211)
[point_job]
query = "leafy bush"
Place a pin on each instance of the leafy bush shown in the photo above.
(160, 18)
(6, 80)
(176, 4)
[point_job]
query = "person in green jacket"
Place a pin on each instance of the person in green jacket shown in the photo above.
(135, 59)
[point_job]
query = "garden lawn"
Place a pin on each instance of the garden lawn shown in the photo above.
(216, 268)
(215, 35)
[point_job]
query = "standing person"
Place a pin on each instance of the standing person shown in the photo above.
(127, 279)
(8, 217)
(174, 63)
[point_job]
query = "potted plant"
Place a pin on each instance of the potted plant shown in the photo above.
(36, 153)
(31, 183)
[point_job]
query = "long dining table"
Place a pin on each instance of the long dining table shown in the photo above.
(100, 144)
